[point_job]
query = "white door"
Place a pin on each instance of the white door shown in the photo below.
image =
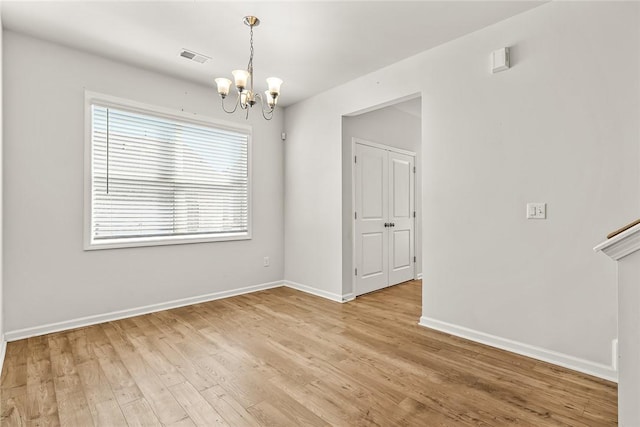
(372, 211)
(401, 200)
(384, 221)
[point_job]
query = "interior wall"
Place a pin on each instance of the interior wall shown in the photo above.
(388, 126)
(560, 126)
(629, 324)
(48, 276)
(1, 205)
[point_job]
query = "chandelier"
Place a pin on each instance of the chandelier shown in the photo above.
(243, 80)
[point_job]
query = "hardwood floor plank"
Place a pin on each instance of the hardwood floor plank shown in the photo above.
(13, 411)
(80, 346)
(164, 405)
(325, 404)
(166, 371)
(229, 408)
(14, 370)
(41, 396)
(96, 387)
(284, 358)
(73, 408)
(109, 414)
(268, 415)
(185, 422)
(199, 379)
(122, 384)
(139, 414)
(200, 411)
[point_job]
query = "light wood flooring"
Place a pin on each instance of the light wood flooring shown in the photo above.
(284, 358)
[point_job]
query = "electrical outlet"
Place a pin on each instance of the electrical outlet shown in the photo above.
(536, 210)
(265, 262)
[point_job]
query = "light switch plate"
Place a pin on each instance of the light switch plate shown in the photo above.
(536, 210)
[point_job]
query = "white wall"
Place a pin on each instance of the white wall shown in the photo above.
(561, 126)
(629, 324)
(389, 126)
(1, 209)
(48, 276)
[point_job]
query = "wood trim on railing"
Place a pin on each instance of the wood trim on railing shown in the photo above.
(622, 244)
(625, 228)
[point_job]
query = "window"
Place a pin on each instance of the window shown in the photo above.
(159, 178)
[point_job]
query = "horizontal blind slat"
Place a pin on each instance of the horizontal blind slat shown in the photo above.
(214, 146)
(139, 121)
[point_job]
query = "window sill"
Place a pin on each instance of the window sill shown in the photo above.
(162, 241)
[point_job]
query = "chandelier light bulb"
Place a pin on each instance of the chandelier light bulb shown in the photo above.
(271, 100)
(223, 86)
(240, 77)
(274, 85)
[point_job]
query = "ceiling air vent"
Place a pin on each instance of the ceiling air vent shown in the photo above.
(197, 57)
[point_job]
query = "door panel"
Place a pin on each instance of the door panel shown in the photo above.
(372, 255)
(401, 181)
(401, 255)
(373, 182)
(401, 194)
(372, 206)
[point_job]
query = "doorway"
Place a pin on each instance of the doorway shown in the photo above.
(396, 125)
(384, 216)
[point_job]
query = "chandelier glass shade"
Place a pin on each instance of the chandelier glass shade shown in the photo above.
(243, 81)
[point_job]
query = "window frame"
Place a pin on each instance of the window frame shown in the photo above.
(92, 98)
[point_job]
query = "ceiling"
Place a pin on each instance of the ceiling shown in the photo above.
(312, 46)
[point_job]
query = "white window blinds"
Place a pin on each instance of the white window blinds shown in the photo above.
(155, 177)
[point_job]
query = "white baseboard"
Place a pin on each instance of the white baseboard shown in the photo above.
(419, 276)
(116, 315)
(588, 367)
(348, 297)
(122, 314)
(313, 291)
(560, 359)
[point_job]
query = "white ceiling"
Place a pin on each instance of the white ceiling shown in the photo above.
(312, 46)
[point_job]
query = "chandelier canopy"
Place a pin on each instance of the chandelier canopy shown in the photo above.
(243, 80)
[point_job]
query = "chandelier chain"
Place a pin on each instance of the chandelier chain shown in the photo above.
(250, 65)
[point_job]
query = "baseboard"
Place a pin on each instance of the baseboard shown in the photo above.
(348, 297)
(419, 276)
(122, 314)
(3, 351)
(560, 359)
(313, 291)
